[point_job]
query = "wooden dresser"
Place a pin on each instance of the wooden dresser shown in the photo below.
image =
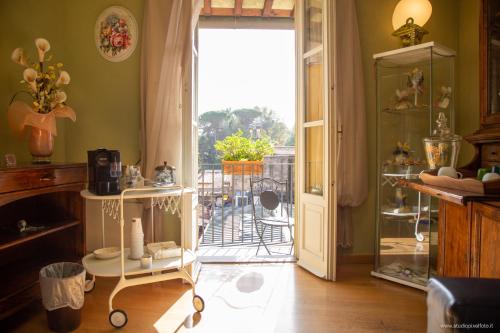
(468, 232)
(46, 196)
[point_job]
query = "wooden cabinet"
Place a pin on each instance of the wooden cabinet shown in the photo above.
(469, 239)
(485, 240)
(46, 196)
(454, 239)
(468, 232)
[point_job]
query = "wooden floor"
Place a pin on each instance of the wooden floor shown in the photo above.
(255, 298)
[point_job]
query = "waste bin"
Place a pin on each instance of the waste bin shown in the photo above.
(62, 285)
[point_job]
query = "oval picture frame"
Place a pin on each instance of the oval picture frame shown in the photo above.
(116, 33)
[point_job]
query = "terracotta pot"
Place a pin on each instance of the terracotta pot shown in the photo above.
(41, 145)
(242, 167)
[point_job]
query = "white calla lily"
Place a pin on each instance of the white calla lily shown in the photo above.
(18, 57)
(29, 76)
(43, 46)
(64, 78)
(60, 97)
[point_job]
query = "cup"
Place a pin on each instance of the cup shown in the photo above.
(147, 261)
(450, 172)
(481, 172)
(490, 176)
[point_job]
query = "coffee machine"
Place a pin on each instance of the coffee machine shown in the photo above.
(104, 171)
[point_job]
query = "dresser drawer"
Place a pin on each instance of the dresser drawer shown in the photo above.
(13, 181)
(52, 177)
(490, 153)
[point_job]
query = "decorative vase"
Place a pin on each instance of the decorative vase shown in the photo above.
(41, 145)
(442, 148)
(136, 239)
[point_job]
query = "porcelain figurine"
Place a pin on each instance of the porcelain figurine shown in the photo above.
(402, 100)
(416, 83)
(444, 99)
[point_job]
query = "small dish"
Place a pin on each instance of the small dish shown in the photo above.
(107, 252)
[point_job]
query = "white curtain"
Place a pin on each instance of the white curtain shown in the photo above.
(166, 41)
(352, 173)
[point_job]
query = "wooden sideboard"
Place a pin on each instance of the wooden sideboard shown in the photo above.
(42, 195)
(468, 232)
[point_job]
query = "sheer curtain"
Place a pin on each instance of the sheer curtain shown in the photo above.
(352, 173)
(166, 43)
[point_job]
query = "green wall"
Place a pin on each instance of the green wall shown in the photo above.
(467, 75)
(105, 95)
(453, 24)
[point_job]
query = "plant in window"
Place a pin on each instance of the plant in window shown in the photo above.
(241, 155)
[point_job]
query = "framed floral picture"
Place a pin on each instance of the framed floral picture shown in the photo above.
(116, 33)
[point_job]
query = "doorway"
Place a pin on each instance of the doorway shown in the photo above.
(246, 87)
(225, 224)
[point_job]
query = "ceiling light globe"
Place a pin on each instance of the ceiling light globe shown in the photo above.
(419, 10)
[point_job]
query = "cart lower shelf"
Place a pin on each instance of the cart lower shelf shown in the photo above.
(112, 267)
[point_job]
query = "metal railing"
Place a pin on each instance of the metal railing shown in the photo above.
(224, 210)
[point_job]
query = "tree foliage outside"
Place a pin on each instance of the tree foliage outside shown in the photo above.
(256, 123)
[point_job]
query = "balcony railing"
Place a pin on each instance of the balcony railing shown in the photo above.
(224, 210)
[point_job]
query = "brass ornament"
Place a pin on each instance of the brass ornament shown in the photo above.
(410, 33)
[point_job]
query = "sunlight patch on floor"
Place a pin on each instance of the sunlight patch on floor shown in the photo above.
(247, 299)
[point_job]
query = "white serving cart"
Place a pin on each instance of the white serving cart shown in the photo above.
(130, 271)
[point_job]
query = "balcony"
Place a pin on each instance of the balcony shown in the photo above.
(225, 216)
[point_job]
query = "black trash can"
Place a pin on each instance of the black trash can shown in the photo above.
(62, 285)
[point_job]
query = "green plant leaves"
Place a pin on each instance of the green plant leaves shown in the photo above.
(236, 147)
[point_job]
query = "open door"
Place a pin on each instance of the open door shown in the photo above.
(316, 225)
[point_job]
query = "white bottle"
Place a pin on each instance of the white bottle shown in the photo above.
(136, 239)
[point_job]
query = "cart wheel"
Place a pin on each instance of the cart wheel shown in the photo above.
(198, 303)
(89, 286)
(118, 318)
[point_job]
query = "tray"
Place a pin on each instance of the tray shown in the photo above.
(467, 184)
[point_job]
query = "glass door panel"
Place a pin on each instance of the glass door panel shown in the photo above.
(314, 160)
(313, 24)
(314, 88)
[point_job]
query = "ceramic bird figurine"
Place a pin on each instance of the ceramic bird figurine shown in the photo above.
(402, 99)
(416, 82)
(444, 99)
(401, 153)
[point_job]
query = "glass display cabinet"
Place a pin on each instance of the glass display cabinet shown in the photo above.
(415, 87)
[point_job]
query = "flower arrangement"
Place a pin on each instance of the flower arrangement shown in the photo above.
(44, 83)
(236, 147)
(114, 36)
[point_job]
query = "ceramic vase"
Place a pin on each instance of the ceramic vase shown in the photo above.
(136, 239)
(41, 145)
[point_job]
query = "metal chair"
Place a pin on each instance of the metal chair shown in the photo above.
(271, 207)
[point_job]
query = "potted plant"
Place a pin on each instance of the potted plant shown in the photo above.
(241, 155)
(44, 84)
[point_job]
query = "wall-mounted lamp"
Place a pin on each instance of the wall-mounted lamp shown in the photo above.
(408, 18)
